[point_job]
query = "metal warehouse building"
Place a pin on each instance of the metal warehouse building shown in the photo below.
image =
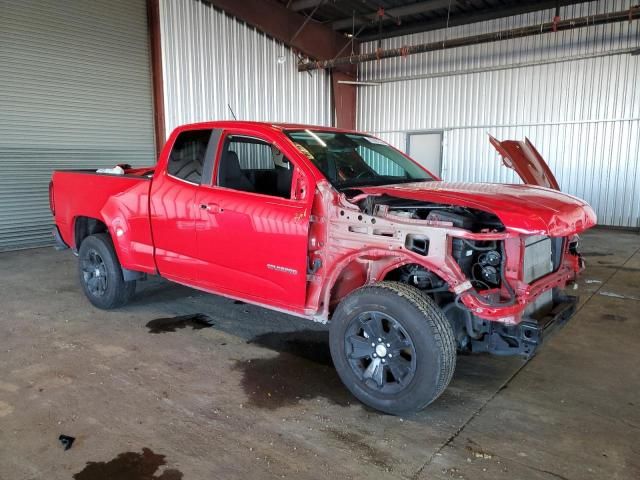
(77, 89)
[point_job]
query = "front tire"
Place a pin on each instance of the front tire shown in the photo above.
(392, 347)
(101, 274)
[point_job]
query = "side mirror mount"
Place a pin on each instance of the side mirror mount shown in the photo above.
(299, 186)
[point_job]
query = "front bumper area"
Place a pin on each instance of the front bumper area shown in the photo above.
(525, 337)
(513, 313)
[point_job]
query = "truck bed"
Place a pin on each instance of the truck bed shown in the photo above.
(120, 201)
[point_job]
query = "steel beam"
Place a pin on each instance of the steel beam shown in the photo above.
(467, 18)
(307, 37)
(344, 100)
(273, 18)
(298, 5)
(497, 68)
(153, 21)
(397, 12)
(568, 24)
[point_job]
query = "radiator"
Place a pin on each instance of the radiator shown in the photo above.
(538, 263)
(537, 257)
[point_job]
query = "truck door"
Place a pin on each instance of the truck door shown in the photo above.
(253, 224)
(173, 204)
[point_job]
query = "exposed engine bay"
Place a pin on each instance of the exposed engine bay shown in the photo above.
(484, 263)
(481, 262)
(461, 217)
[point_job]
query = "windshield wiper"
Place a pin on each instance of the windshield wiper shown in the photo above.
(412, 180)
(378, 182)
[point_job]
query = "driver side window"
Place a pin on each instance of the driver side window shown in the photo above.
(252, 165)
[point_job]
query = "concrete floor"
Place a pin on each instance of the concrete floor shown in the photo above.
(255, 396)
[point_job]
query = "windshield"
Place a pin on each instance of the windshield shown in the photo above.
(350, 160)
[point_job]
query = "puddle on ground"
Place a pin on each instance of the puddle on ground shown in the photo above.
(302, 370)
(356, 444)
(130, 466)
(196, 322)
(614, 317)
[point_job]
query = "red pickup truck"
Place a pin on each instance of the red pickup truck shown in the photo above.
(337, 225)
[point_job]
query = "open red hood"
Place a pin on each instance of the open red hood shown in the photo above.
(526, 161)
(521, 208)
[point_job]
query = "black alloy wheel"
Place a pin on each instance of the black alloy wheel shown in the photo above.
(94, 273)
(380, 351)
(392, 347)
(100, 273)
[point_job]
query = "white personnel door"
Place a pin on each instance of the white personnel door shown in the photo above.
(426, 149)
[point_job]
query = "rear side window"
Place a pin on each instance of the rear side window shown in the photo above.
(187, 156)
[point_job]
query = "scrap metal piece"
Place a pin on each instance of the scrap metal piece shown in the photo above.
(66, 441)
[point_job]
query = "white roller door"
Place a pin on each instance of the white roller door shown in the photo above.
(75, 92)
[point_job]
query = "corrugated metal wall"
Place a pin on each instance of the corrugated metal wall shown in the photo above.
(75, 92)
(583, 115)
(210, 60)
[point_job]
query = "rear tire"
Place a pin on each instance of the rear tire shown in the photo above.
(100, 273)
(393, 347)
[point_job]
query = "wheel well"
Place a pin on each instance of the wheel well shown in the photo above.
(85, 226)
(395, 275)
(416, 275)
(352, 276)
(357, 273)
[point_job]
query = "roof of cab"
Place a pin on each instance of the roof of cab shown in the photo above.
(276, 125)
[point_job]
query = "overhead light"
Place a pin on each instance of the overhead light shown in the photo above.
(362, 84)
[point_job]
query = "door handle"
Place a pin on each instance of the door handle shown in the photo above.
(211, 207)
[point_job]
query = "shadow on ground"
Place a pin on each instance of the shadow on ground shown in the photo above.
(301, 370)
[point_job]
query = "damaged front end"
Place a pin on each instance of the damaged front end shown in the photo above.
(494, 257)
(499, 283)
(514, 284)
(526, 304)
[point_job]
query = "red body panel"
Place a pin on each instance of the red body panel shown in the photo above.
(303, 254)
(252, 246)
(522, 208)
(120, 201)
(173, 221)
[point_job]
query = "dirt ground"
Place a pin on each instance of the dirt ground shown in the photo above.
(185, 385)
